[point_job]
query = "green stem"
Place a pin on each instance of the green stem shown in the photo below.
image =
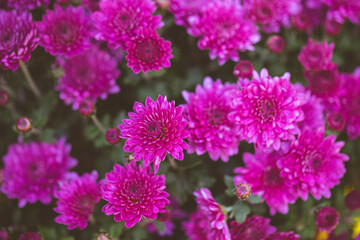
(30, 80)
(98, 124)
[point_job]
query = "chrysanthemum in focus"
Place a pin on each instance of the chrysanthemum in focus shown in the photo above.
(91, 75)
(225, 31)
(253, 228)
(262, 174)
(18, 38)
(316, 56)
(267, 110)
(313, 164)
(209, 222)
(153, 130)
(27, 4)
(327, 218)
(119, 20)
(134, 192)
(32, 170)
(77, 197)
(210, 130)
(147, 51)
(65, 31)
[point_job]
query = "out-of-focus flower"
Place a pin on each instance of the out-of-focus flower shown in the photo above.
(253, 228)
(119, 20)
(224, 31)
(327, 218)
(244, 69)
(283, 236)
(352, 200)
(262, 174)
(65, 31)
(147, 51)
(316, 56)
(332, 27)
(187, 12)
(4, 97)
(276, 43)
(76, 199)
(313, 164)
(3, 234)
(27, 4)
(210, 130)
(18, 38)
(242, 191)
(267, 110)
(91, 75)
(134, 192)
(32, 170)
(30, 236)
(339, 10)
(153, 130)
(92, 5)
(209, 221)
(86, 108)
(336, 121)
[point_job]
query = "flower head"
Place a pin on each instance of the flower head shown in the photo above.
(153, 130)
(327, 218)
(224, 31)
(339, 10)
(283, 236)
(209, 221)
(65, 31)
(32, 170)
(262, 174)
(119, 20)
(147, 51)
(134, 192)
(313, 164)
(77, 197)
(316, 56)
(86, 108)
(275, 43)
(113, 135)
(23, 124)
(30, 236)
(253, 228)
(267, 110)
(91, 75)
(27, 4)
(243, 69)
(210, 130)
(186, 11)
(18, 38)
(332, 27)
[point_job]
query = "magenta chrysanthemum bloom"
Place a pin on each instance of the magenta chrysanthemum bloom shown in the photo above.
(18, 38)
(312, 107)
(65, 31)
(224, 31)
(339, 10)
(32, 170)
(91, 75)
(316, 56)
(327, 218)
(244, 69)
(134, 192)
(275, 43)
(283, 236)
(272, 14)
(77, 197)
(332, 27)
(267, 110)
(209, 222)
(153, 130)
(210, 130)
(262, 174)
(27, 4)
(186, 12)
(147, 51)
(253, 228)
(119, 20)
(30, 236)
(313, 164)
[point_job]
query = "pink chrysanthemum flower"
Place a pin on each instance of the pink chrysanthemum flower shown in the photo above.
(119, 20)
(272, 14)
(33, 170)
(186, 12)
(77, 197)
(244, 69)
(316, 56)
(283, 236)
(332, 27)
(153, 130)
(262, 174)
(327, 218)
(210, 130)
(267, 110)
(90, 75)
(30, 236)
(253, 228)
(18, 38)
(350, 103)
(209, 222)
(224, 31)
(313, 164)
(27, 4)
(312, 107)
(339, 10)
(65, 31)
(134, 192)
(147, 51)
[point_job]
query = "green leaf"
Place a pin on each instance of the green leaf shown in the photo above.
(241, 210)
(229, 182)
(254, 199)
(160, 226)
(116, 229)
